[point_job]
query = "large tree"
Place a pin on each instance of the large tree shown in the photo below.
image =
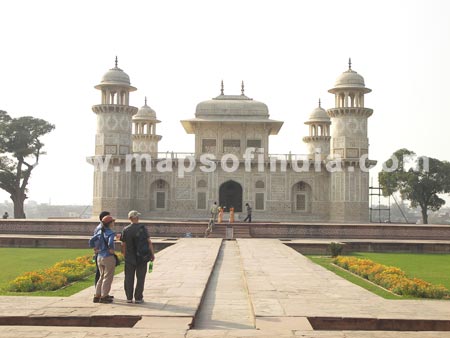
(418, 179)
(20, 149)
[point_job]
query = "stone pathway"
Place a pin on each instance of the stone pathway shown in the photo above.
(283, 287)
(226, 304)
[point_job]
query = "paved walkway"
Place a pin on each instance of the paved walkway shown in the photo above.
(286, 284)
(283, 288)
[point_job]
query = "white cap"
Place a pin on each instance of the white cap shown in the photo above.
(134, 213)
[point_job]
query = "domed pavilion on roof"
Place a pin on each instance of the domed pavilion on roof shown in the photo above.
(231, 163)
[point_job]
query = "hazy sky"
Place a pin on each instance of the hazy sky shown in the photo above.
(289, 54)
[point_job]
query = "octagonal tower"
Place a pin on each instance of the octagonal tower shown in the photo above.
(349, 198)
(113, 142)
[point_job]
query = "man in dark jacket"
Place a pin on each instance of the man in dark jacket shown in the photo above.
(133, 265)
(249, 213)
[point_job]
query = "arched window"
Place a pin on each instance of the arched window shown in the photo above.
(300, 186)
(201, 194)
(160, 184)
(342, 100)
(352, 99)
(259, 195)
(319, 130)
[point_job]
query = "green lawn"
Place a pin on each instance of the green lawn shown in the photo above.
(433, 268)
(16, 261)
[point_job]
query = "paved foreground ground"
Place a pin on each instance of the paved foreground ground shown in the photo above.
(257, 288)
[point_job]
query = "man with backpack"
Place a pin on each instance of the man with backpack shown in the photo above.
(97, 231)
(138, 251)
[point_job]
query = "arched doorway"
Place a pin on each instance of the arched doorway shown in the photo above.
(159, 192)
(301, 197)
(230, 195)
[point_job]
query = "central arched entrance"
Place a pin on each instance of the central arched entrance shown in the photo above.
(230, 195)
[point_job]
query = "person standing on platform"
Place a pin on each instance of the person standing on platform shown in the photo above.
(209, 229)
(103, 242)
(136, 241)
(214, 211)
(231, 214)
(249, 213)
(97, 230)
(220, 216)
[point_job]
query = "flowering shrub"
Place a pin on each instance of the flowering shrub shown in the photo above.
(391, 278)
(75, 269)
(336, 249)
(59, 275)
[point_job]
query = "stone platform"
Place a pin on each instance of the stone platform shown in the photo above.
(244, 288)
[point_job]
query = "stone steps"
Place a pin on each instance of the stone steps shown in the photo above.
(239, 230)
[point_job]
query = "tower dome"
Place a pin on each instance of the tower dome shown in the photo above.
(318, 140)
(145, 139)
(145, 113)
(350, 80)
(319, 115)
(115, 77)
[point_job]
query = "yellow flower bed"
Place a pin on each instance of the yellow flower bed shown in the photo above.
(59, 275)
(391, 278)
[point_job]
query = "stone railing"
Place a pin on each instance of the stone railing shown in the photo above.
(257, 230)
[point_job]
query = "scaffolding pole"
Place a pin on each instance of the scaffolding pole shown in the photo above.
(377, 191)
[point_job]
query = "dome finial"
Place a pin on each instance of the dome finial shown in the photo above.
(145, 100)
(349, 63)
(221, 87)
(242, 87)
(320, 104)
(116, 61)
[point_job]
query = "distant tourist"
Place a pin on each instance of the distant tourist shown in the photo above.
(249, 213)
(231, 220)
(97, 230)
(103, 242)
(5, 215)
(138, 250)
(209, 229)
(214, 211)
(220, 216)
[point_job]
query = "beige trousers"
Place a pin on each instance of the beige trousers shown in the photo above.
(106, 266)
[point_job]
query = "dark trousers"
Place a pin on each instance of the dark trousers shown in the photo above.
(139, 271)
(249, 218)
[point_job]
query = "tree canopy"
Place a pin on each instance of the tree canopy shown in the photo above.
(20, 149)
(418, 179)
